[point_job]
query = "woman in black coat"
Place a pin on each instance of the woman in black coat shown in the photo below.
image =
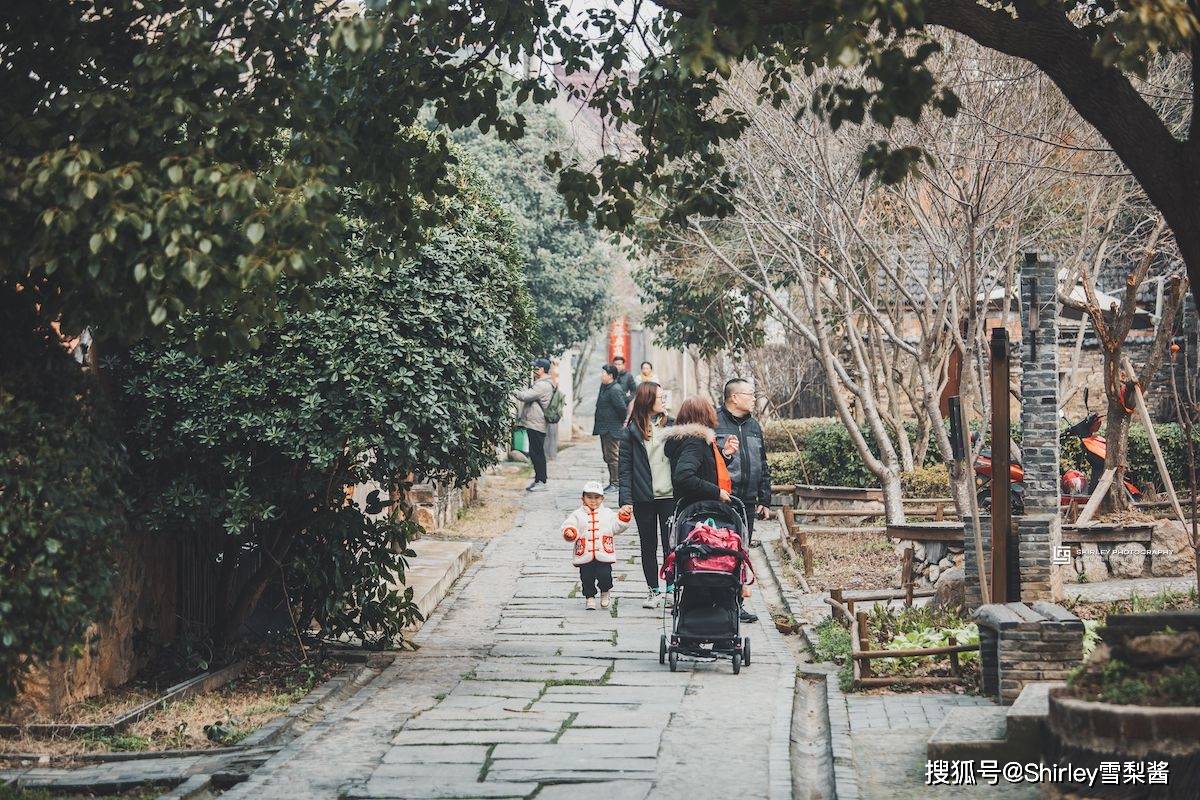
(692, 450)
(645, 475)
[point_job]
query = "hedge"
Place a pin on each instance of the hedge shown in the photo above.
(824, 455)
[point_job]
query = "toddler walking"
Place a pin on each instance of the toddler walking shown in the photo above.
(592, 527)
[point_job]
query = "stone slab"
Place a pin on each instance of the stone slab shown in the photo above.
(433, 570)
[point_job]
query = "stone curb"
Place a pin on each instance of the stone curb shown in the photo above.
(779, 759)
(840, 749)
(844, 778)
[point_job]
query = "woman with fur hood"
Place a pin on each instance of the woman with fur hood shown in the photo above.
(698, 466)
(698, 470)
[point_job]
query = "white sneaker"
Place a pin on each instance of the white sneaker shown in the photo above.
(591, 604)
(651, 600)
(604, 599)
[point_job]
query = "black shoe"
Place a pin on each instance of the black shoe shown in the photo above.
(746, 616)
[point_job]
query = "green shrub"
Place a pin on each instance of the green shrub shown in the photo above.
(782, 435)
(826, 457)
(61, 504)
(401, 366)
(833, 641)
(819, 451)
(926, 482)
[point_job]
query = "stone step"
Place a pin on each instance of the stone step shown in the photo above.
(1025, 720)
(970, 733)
(433, 570)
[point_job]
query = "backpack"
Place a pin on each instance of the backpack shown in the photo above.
(554, 409)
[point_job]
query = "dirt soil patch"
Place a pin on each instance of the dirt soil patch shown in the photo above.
(851, 560)
(273, 679)
(1163, 601)
(496, 509)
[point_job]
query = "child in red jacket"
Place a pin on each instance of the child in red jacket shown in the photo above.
(592, 528)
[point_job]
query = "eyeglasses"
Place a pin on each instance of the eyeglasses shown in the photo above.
(743, 394)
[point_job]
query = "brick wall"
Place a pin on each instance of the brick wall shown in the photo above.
(1021, 644)
(1039, 386)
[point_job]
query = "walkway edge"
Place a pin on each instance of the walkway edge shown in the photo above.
(840, 748)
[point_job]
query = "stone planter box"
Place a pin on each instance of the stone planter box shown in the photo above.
(1086, 734)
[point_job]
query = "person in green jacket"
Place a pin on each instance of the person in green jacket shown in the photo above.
(610, 419)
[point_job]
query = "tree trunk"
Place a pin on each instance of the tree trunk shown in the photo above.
(250, 592)
(1116, 433)
(893, 494)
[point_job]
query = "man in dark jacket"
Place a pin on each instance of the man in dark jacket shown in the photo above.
(610, 419)
(624, 378)
(748, 469)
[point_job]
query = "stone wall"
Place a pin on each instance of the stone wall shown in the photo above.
(1022, 644)
(973, 596)
(436, 505)
(141, 615)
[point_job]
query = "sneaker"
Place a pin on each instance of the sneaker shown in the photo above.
(537, 486)
(591, 604)
(604, 599)
(612, 487)
(669, 597)
(651, 600)
(746, 616)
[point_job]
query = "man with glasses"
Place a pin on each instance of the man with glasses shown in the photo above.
(748, 468)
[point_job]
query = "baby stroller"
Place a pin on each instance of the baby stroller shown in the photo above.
(707, 565)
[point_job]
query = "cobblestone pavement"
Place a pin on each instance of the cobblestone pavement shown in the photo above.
(516, 689)
(888, 735)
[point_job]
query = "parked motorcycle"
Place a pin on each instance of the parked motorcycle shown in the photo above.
(1076, 487)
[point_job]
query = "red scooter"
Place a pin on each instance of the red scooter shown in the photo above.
(1076, 487)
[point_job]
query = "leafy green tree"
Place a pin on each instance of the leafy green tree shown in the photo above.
(697, 305)
(228, 125)
(61, 503)
(565, 265)
(166, 155)
(402, 366)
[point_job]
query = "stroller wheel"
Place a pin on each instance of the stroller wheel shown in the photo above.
(673, 660)
(737, 663)
(662, 649)
(746, 651)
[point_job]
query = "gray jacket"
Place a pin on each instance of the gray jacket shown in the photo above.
(533, 404)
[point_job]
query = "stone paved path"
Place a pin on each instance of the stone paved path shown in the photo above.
(888, 735)
(517, 690)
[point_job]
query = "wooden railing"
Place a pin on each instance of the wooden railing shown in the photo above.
(861, 653)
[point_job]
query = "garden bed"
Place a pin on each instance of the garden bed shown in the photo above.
(906, 629)
(852, 560)
(273, 677)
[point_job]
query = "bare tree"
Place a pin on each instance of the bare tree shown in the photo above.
(884, 283)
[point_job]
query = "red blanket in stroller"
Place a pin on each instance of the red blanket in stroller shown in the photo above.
(706, 535)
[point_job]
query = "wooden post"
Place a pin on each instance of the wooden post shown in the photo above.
(1144, 413)
(836, 594)
(1093, 503)
(954, 665)
(906, 576)
(1001, 460)
(864, 640)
